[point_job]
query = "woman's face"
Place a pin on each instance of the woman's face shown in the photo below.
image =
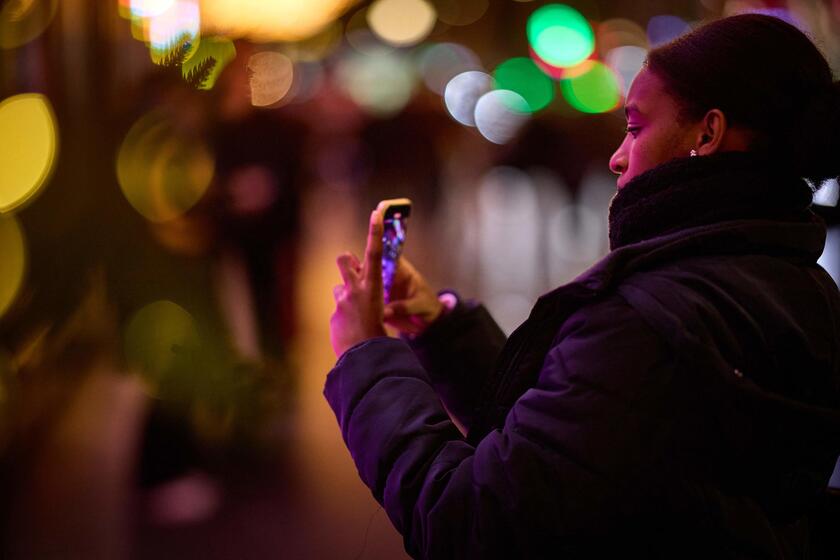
(654, 134)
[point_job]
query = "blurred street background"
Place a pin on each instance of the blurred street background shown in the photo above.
(176, 180)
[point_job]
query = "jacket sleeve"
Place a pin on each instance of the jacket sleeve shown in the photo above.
(569, 458)
(458, 352)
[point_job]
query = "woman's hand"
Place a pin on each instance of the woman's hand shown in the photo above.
(414, 305)
(358, 302)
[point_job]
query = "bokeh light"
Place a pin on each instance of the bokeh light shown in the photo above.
(28, 148)
(554, 72)
(463, 92)
(500, 114)
(277, 20)
(175, 31)
(626, 62)
(380, 82)
(163, 171)
(560, 35)
(189, 499)
(619, 32)
(12, 261)
(830, 261)
(508, 214)
(460, 12)
(22, 21)
(828, 194)
(359, 36)
(524, 77)
(441, 62)
(401, 22)
(270, 77)
(149, 8)
(594, 88)
(205, 66)
(662, 29)
(309, 78)
(159, 337)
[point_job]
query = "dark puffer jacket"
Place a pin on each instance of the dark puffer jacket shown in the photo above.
(680, 399)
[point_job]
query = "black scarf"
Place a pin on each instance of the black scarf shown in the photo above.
(701, 190)
(677, 195)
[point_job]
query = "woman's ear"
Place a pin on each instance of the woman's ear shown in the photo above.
(713, 129)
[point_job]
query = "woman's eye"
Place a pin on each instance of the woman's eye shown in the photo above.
(632, 130)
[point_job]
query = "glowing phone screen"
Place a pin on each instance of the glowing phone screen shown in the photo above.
(393, 238)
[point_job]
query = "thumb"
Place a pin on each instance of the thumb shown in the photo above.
(403, 308)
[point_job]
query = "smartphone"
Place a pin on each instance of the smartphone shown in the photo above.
(395, 213)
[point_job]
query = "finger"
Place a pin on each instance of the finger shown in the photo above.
(338, 292)
(347, 268)
(373, 252)
(406, 266)
(405, 270)
(354, 262)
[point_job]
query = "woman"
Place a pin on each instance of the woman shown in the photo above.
(679, 399)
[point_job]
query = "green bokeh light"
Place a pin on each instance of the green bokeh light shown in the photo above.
(204, 71)
(594, 90)
(560, 35)
(524, 77)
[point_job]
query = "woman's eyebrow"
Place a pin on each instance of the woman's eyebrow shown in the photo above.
(632, 110)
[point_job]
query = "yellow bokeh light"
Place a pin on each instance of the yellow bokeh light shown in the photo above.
(401, 22)
(277, 20)
(28, 148)
(22, 21)
(163, 171)
(159, 337)
(12, 261)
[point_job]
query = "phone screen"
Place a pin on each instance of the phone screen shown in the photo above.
(393, 239)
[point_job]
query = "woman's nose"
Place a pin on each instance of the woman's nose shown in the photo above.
(618, 161)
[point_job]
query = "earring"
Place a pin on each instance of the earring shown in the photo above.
(692, 153)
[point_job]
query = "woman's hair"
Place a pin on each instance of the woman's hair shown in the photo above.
(765, 75)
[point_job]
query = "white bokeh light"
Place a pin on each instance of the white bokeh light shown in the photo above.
(500, 114)
(181, 19)
(463, 92)
(149, 8)
(830, 259)
(828, 194)
(508, 216)
(626, 61)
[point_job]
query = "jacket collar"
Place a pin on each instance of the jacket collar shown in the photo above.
(689, 192)
(798, 237)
